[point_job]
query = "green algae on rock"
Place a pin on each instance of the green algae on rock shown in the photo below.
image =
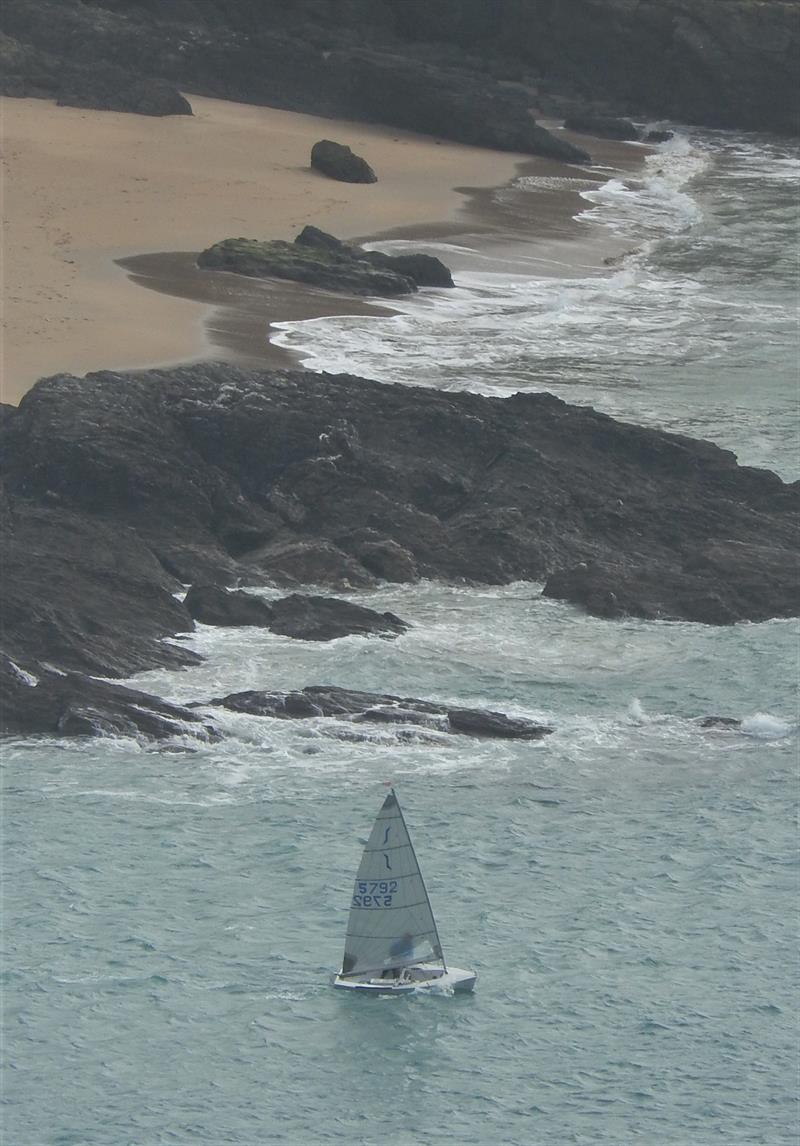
(322, 260)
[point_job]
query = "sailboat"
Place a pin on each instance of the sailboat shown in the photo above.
(392, 944)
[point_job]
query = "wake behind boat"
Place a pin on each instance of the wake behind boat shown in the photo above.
(392, 944)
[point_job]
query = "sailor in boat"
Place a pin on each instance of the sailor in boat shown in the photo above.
(402, 948)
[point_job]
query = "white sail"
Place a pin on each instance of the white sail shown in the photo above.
(391, 924)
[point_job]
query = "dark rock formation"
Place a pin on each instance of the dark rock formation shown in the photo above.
(656, 136)
(27, 70)
(716, 584)
(423, 270)
(379, 708)
(122, 486)
(212, 605)
(338, 162)
(113, 90)
(40, 700)
(459, 69)
(603, 126)
(725, 722)
(84, 593)
(291, 56)
(314, 265)
(308, 618)
(325, 261)
(326, 618)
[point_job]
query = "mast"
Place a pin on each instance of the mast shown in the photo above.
(422, 879)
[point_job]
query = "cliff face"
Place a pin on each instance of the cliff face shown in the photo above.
(725, 63)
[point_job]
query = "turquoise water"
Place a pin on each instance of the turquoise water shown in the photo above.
(626, 888)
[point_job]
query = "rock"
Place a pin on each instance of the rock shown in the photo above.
(38, 700)
(85, 594)
(388, 560)
(311, 618)
(721, 583)
(338, 162)
(212, 605)
(443, 101)
(119, 92)
(304, 617)
(122, 488)
(310, 562)
(424, 270)
(728, 722)
(333, 270)
(323, 260)
(470, 72)
(605, 127)
(380, 708)
(658, 136)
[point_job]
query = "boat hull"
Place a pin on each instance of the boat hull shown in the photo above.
(412, 979)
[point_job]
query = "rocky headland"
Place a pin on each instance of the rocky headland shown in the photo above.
(121, 489)
(468, 70)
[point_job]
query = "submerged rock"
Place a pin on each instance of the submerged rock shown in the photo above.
(380, 708)
(337, 161)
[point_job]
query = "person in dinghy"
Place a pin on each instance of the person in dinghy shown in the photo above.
(392, 941)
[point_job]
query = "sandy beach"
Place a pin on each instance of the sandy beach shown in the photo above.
(84, 189)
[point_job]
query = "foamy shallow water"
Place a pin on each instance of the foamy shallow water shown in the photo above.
(694, 331)
(626, 888)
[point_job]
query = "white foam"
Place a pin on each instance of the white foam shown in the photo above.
(765, 726)
(27, 678)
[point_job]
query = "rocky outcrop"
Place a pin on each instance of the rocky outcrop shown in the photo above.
(313, 265)
(291, 56)
(423, 270)
(322, 260)
(45, 701)
(213, 605)
(715, 584)
(307, 618)
(603, 126)
(337, 161)
(469, 70)
(314, 618)
(120, 487)
(378, 708)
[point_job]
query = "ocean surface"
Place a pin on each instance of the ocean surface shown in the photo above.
(627, 889)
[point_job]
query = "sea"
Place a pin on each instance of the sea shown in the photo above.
(626, 888)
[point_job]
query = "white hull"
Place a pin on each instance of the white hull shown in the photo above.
(420, 977)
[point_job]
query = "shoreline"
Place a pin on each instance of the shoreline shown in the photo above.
(101, 204)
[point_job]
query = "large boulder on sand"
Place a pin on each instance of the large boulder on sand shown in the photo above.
(424, 270)
(323, 260)
(338, 162)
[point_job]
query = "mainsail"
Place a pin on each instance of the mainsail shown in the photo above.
(391, 924)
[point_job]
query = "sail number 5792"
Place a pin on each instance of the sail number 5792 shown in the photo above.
(374, 893)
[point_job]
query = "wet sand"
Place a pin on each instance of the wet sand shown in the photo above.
(98, 205)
